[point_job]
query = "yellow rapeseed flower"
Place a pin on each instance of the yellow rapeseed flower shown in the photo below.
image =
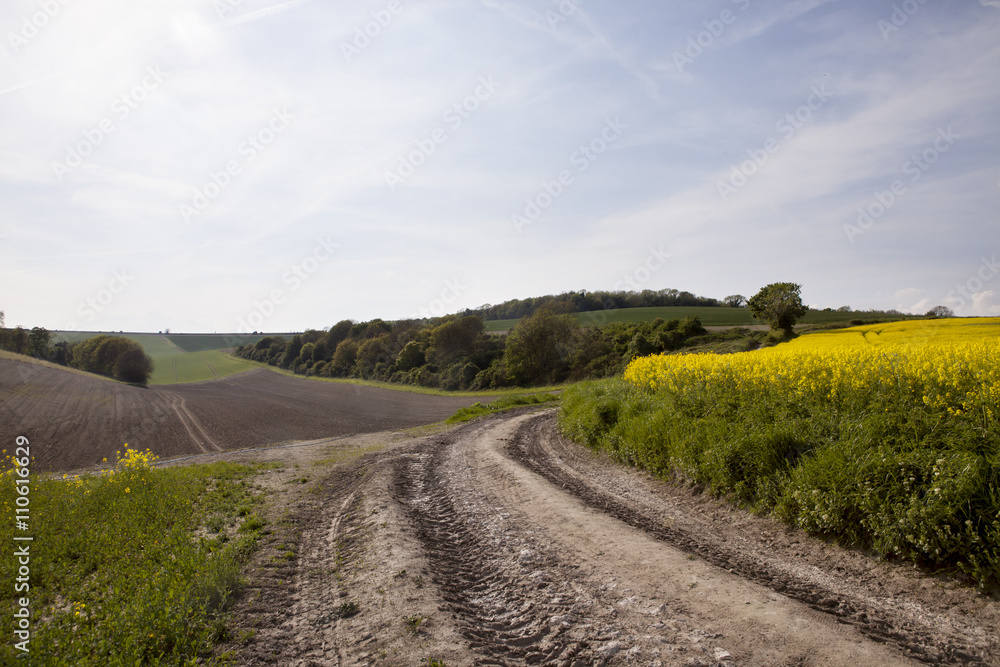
(947, 365)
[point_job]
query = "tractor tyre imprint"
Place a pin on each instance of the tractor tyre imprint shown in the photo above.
(536, 551)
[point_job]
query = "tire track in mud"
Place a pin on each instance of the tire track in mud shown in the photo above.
(291, 608)
(505, 617)
(920, 640)
(199, 435)
(322, 597)
(520, 573)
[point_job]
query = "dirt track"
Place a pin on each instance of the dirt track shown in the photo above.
(74, 420)
(500, 543)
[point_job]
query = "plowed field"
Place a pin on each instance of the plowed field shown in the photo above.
(74, 421)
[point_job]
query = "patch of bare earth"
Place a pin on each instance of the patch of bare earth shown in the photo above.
(500, 543)
(75, 420)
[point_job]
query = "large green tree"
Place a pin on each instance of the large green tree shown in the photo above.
(778, 304)
(538, 347)
(134, 365)
(735, 301)
(454, 340)
(38, 341)
(115, 356)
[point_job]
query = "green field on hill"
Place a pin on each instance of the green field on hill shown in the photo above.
(181, 357)
(196, 366)
(203, 342)
(710, 317)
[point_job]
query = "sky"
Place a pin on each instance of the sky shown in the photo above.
(238, 165)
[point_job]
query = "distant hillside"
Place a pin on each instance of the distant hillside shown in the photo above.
(717, 316)
(584, 301)
(182, 357)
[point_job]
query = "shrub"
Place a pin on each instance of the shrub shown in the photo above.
(114, 356)
(134, 366)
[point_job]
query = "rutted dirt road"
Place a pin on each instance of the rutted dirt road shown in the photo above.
(501, 543)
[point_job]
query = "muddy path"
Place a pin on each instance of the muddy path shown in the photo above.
(501, 543)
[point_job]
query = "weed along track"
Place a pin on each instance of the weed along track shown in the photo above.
(500, 543)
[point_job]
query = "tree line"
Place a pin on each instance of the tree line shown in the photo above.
(114, 356)
(584, 302)
(455, 352)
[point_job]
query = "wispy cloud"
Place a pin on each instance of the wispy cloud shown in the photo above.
(565, 69)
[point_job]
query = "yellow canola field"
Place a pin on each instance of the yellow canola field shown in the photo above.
(952, 365)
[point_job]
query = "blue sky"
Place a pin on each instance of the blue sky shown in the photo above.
(210, 165)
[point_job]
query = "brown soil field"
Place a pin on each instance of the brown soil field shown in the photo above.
(499, 542)
(74, 420)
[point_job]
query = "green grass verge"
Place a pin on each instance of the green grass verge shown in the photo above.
(500, 405)
(875, 470)
(134, 566)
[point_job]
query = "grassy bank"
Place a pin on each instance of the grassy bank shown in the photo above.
(501, 404)
(133, 566)
(890, 446)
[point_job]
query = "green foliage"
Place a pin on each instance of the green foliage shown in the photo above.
(114, 356)
(454, 340)
(710, 316)
(38, 341)
(584, 301)
(410, 357)
(779, 305)
(413, 622)
(124, 570)
(691, 326)
(342, 364)
(348, 609)
(337, 333)
(14, 340)
(871, 469)
(538, 348)
(134, 366)
(456, 353)
(735, 301)
(292, 350)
